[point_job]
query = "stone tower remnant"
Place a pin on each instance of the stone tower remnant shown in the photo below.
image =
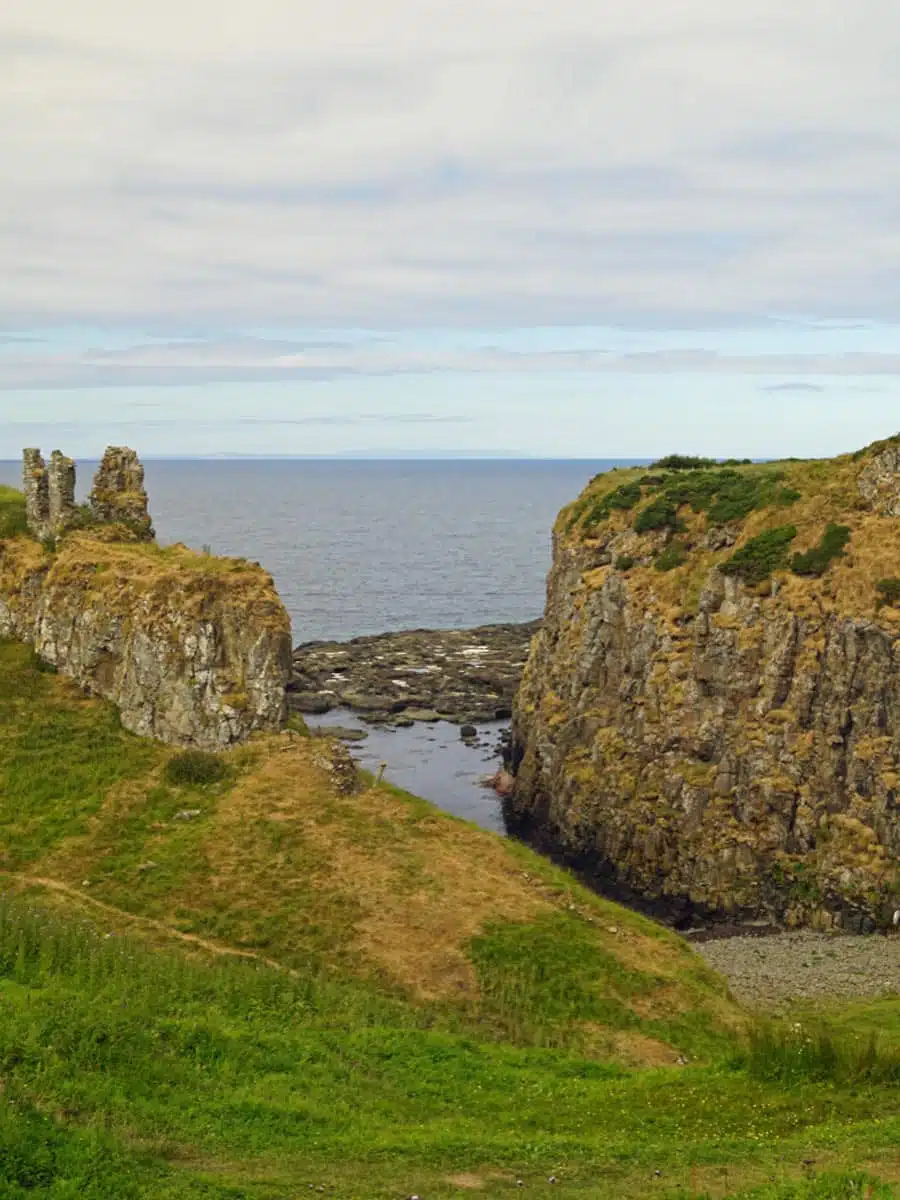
(35, 485)
(119, 495)
(49, 493)
(61, 493)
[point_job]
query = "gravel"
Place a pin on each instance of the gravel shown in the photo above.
(771, 971)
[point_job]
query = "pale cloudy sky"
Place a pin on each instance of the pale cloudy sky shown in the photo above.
(577, 228)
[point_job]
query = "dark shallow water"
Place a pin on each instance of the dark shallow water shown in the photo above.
(362, 547)
(432, 761)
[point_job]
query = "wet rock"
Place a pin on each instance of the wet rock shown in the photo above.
(343, 733)
(468, 676)
(468, 732)
(314, 703)
(422, 714)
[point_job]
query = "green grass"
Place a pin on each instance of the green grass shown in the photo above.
(12, 512)
(140, 1073)
(58, 759)
(137, 1064)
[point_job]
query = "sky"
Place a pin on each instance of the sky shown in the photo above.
(424, 227)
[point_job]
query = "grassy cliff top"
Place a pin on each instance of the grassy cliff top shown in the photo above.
(109, 562)
(823, 528)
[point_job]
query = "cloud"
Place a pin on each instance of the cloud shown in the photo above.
(403, 165)
(794, 387)
(260, 360)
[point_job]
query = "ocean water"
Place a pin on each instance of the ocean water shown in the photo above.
(359, 547)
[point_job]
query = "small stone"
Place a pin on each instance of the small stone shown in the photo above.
(147, 866)
(187, 814)
(467, 732)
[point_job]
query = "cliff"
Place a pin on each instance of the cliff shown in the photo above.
(709, 720)
(193, 650)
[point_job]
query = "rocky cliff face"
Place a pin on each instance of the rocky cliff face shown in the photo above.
(194, 650)
(710, 716)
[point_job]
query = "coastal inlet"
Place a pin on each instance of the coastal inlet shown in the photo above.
(432, 705)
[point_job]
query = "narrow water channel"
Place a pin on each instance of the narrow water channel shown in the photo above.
(431, 761)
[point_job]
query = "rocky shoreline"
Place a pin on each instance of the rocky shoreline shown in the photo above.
(805, 965)
(466, 676)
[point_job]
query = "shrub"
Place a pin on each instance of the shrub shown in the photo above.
(195, 768)
(682, 462)
(888, 592)
(762, 555)
(817, 560)
(625, 562)
(673, 556)
(661, 513)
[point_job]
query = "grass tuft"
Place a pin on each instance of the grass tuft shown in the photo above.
(195, 768)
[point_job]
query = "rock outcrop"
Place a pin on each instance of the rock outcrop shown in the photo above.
(194, 650)
(118, 495)
(709, 721)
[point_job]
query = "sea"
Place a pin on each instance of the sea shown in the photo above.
(368, 546)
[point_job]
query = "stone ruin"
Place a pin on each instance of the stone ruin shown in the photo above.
(117, 497)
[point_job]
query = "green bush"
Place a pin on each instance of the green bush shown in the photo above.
(625, 562)
(661, 513)
(682, 462)
(762, 555)
(888, 592)
(673, 556)
(195, 768)
(817, 560)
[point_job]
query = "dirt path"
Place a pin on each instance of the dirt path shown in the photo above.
(120, 914)
(770, 971)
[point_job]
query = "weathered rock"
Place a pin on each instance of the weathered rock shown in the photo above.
(343, 733)
(464, 675)
(36, 486)
(711, 748)
(61, 488)
(118, 495)
(193, 650)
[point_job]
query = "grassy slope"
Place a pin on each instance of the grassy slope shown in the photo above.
(450, 1011)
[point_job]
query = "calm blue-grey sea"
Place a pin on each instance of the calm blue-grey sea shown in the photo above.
(366, 546)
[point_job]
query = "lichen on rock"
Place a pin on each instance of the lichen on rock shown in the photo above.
(721, 742)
